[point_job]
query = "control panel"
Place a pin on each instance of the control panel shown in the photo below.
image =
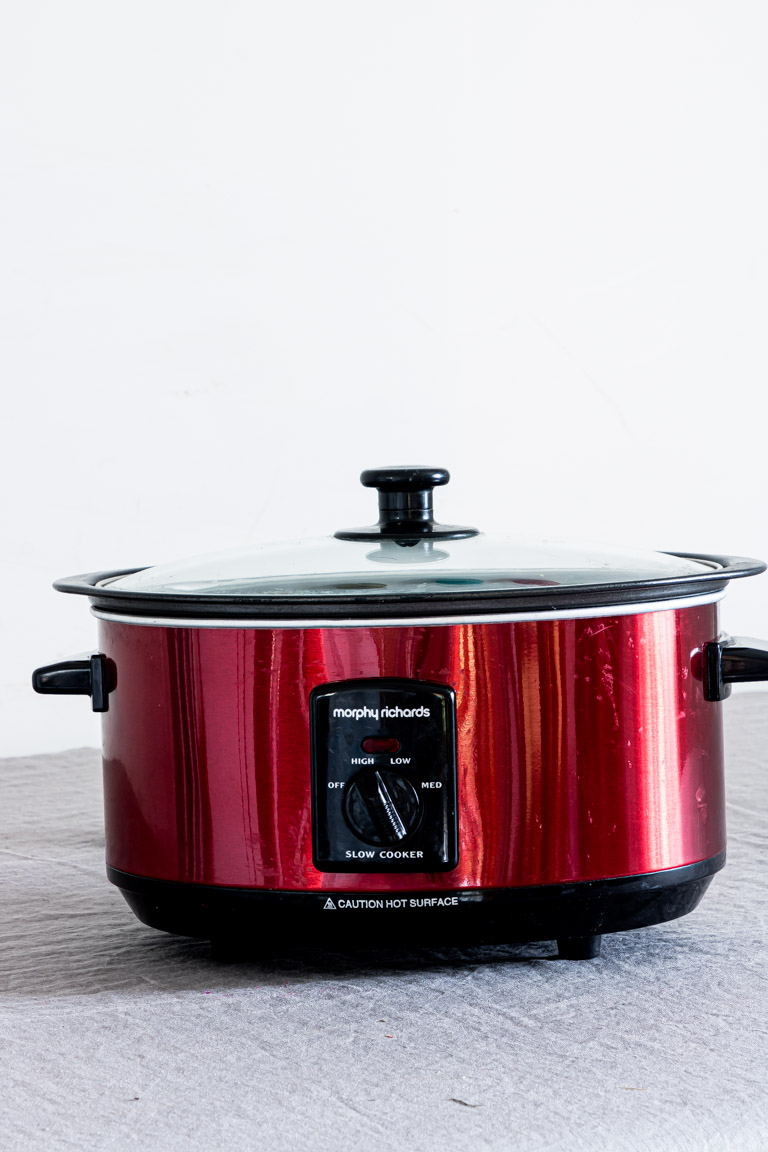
(384, 776)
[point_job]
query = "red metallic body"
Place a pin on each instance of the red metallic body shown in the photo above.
(586, 748)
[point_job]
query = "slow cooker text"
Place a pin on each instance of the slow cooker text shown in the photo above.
(386, 854)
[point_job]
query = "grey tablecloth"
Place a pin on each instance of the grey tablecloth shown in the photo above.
(118, 1037)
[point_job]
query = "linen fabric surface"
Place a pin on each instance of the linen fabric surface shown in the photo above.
(116, 1036)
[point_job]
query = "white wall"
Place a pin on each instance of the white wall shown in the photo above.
(249, 248)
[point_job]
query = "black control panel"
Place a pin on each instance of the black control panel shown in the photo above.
(384, 776)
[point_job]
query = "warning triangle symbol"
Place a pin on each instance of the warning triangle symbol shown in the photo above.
(329, 904)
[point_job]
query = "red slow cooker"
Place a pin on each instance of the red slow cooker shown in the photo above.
(413, 732)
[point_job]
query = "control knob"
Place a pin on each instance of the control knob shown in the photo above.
(381, 807)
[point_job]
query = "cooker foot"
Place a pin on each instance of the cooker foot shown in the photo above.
(579, 947)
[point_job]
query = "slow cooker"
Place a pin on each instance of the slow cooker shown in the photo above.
(413, 732)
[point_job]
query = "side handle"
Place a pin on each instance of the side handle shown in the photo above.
(80, 676)
(736, 660)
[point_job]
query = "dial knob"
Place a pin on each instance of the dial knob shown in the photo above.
(381, 807)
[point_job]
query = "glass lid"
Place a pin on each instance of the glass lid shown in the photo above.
(329, 567)
(406, 566)
(406, 554)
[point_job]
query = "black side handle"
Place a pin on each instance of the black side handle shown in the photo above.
(81, 676)
(405, 506)
(737, 660)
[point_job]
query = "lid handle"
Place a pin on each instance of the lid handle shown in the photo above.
(405, 494)
(405, 506)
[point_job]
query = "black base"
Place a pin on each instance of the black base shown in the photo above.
(576, 915)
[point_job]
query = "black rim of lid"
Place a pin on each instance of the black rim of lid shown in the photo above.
(482, 602)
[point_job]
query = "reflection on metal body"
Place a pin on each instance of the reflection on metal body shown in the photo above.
(586, 748)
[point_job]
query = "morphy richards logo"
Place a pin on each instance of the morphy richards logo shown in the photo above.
(388, 712)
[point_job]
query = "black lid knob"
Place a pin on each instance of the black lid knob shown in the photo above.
(405, 506)
(404, 477)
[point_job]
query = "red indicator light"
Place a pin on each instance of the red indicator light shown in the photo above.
(374, 744)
